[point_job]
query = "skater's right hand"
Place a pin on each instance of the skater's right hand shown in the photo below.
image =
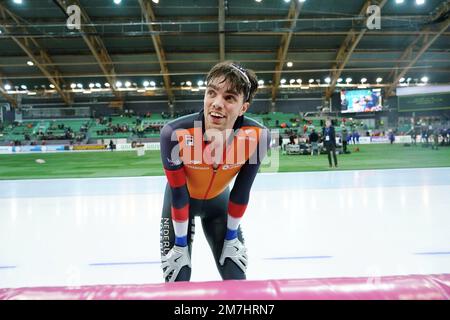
(174, 260)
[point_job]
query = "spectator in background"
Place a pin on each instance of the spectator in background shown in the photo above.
(435, 137)
(292, 138)
(111, 145)
(349, 139)
(414, 136)
(314, 140)
(344, 139)
(280, 141)
(424, 137)
(329, 141)
(391, 136)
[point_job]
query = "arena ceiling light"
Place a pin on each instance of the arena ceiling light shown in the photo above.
(399, 1)
(30, 63)
(340, 80)
(401, 80)
(91, 85)
(118, 84)
(79, 85)
(117, 1)
(200, 83)
(327, 79)
(146, 83)
(127, 84)
(379, 79)
(18, 1)
(24, 87)
(258, 0)
(155, 1)
(107, 84)
(292, 81)
(289, 64)
(311, 80)
(188, 83)
(348, 80)
(420, 2)
(261, 82)
(299, 81)
(152, 83)
(7, 87)
(52, 86)
(73, 85)
(98, 85)
(424, 79)
(283, 81)
(363, 80)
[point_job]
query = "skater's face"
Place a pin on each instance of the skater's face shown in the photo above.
(222, 105)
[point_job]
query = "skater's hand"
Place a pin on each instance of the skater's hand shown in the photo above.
(236, 251)
(174, 260)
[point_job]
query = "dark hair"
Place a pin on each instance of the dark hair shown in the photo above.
(240, 79)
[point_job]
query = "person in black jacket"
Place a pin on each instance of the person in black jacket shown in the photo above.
(314, 141)
(329, 141)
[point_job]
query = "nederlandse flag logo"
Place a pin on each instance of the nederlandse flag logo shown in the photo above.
(189, 140)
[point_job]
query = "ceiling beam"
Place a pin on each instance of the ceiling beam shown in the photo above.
(269, 52)
(294, 12)
(348, 46)
(209, 61)
(320, 33)
(147, 11)
(102, 20)
(37, 54)
(262, 33)
(186, 56)
(95, 44)
(424, 42)
(222, 30)
(205, 69)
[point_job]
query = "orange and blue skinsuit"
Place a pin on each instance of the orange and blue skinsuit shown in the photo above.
(199, 186)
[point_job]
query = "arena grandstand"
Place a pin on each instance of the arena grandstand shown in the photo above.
(87, 86)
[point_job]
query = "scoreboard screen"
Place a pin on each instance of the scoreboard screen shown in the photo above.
(424, 102)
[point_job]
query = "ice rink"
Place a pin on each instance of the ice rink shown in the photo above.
(71, 232)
